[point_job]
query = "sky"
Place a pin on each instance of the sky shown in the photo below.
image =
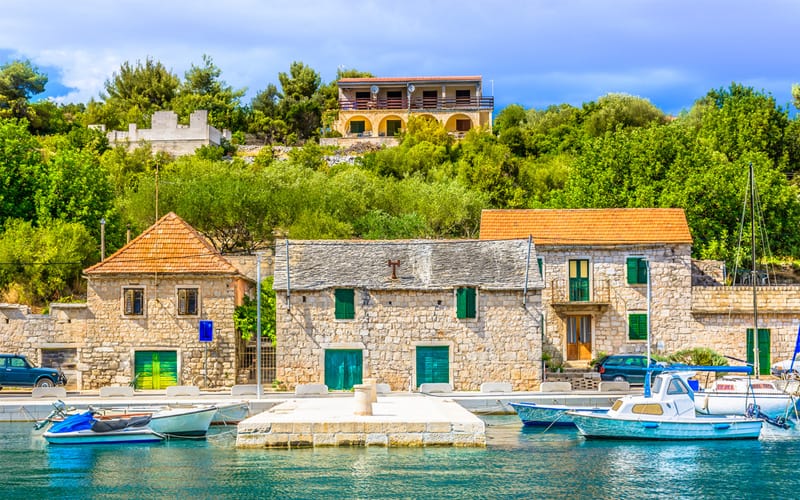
(534, 53)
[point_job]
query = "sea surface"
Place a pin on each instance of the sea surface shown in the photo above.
(517, 463)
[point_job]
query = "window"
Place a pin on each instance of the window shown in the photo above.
(579, 280)
(637, 270)
(345, 303)
(393, 127)
(463, 125)
(394, 99)
(540, 263)
(187, 301)
(465, 303)
(637, 326)
(133, 301)
(357, 126)
(362, 100)
(462, 96)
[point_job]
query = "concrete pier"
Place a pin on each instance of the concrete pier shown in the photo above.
(403, 420)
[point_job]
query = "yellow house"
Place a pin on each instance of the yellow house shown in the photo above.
(381, 107)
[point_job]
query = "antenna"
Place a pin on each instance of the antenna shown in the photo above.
(374, 89)
(411, 88)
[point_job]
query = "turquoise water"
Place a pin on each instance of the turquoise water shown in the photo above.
(517, 463)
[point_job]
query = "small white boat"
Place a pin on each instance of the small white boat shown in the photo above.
(231, 413)
(183, 422)
(735, 395)
(84, 428)
(539, 415)
(667, 414)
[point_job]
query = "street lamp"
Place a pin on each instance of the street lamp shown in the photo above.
(258, 324)
(102, 239)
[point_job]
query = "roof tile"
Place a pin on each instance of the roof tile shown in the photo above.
(170, 246)
(602, 226)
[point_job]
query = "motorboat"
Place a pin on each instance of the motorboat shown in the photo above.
(84, 428)
(738, 395)
(188, 421)
(664, 412)
(539, 415)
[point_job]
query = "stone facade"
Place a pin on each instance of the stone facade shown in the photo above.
(612, 299)
(394, 318)
(167, 135)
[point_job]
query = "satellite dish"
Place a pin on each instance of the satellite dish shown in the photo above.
(410, 88)
(374, 89)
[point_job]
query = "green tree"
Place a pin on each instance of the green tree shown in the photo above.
(136, 91)
(202, 88)
(614, 111)
(796, 95)
(245, 316)
(21, 171)
(19, 81)
(44, 263)
(301, 106)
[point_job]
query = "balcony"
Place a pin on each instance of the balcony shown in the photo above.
(569, 299)
(419, 104)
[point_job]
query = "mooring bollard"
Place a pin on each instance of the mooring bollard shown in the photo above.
(363, 397)
(373, 384)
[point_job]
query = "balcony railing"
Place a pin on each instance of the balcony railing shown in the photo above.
(419, 104)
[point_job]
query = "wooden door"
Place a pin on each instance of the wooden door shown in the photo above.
(579, 338)
(155, 369)
(764, 358)
(343, 368)
(579, 280)
(433, 365)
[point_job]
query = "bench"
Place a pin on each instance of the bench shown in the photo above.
(311, 390)
(496, 387)
(49, 392)
(116, 391)
(183, 390)
(432, 388)
(555, 387)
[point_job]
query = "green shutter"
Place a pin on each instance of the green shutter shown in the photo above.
(764, 348)
(637, 327)
(343, 368)
(433, 365)
(465, 303)
(345, 303)
(637, 271)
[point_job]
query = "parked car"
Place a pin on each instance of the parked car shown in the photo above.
(629, 368)
(17, 371)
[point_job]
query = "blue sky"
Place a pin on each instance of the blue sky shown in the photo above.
(534, 53)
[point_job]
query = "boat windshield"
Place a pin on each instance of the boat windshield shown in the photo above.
(656, 385)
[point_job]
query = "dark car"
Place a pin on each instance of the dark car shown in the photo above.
(629, 368)
(17, 371)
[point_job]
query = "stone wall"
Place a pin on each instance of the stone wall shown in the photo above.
(502, 344)
(612, 298)
(107, 356)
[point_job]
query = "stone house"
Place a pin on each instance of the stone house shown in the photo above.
(165, 134)
(596, 265)
(142, 318)
(408, 312)
(377, 109)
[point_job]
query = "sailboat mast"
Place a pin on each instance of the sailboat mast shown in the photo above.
(756, 368)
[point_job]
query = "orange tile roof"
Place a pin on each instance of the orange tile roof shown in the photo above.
(603, 226)
(170, 246)
(405, 79)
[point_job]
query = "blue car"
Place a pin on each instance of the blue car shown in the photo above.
(17, 371)
(630, 368)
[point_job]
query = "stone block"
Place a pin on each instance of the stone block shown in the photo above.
(433, 388)
(116, 391)
(496, 387)
(383, 388)
(49, 392)
(608, 386)
(377, 439)
(406, 439)
(245, 390)
(311, 390)
(183, 390)
(555, 387)
(437, 439)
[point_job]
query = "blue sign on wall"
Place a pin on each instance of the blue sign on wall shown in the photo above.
(206, 330)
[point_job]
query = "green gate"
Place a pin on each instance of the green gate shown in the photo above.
(763, 350)
(155, 369)
(343, 368)
(433, 365)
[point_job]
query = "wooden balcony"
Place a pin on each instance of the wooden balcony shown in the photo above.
(419, 104)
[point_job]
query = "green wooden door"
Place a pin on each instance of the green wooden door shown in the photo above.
(343, 368)
(433, 365)
(156, 369)
(578, 280)
(763, 350)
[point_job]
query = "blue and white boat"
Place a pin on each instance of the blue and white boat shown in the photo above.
(667, 412)
(539, 415)
(84, 428)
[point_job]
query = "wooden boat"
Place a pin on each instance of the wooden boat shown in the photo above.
(539, 415)
(84, 428)
(666, 414)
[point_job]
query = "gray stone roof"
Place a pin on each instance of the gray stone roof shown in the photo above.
(424, 264)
